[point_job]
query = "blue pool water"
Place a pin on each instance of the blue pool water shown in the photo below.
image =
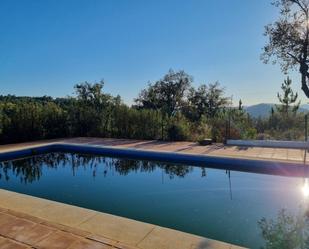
(218, 204)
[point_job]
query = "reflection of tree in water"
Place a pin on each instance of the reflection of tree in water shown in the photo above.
(178, 170)
(126, 166)
(287, 231)
(30, 169)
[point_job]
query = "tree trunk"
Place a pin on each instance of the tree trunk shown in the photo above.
(304, 75)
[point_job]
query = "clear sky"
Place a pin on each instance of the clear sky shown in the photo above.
(47, 46)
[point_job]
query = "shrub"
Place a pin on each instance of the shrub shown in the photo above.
(263, 136)
(200, 130)
(178, 129)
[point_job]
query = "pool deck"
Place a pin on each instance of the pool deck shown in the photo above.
(30, 222)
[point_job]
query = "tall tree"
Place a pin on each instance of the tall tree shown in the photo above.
(167, 94)
(288, 99)
(207, 100)
(90, 108)
(288, 39)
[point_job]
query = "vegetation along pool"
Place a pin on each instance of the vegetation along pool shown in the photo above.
(218, 204)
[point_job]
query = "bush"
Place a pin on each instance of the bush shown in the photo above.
(178, 129)
(200, 130)
(263, 136)
(249, 133)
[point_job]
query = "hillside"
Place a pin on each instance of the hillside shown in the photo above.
(263, 109)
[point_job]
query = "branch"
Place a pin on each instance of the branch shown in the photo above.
(293, 56)
(300, 6)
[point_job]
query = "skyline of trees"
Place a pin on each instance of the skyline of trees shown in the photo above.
(168, 109)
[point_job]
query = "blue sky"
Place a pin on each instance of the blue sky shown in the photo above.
(48, 46)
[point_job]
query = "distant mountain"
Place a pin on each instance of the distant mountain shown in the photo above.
(263, 109)
(259, 110)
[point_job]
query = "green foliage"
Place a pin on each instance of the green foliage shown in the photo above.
(200, 130)
(90, 113)
(29, 120)
(233, 123)
(168, 110)
(91, 110)
(288, 39)
(187, 113)
(179, 128)
(173, 114)
(281, 127)
(288, 100)
(207, 100)
(167, 94)
(286, 232)
(133, 123)
(284, 121)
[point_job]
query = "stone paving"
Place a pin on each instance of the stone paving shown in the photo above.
(21, 231)
(31, 222)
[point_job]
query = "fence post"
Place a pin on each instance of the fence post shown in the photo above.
(306, 127)
(226, 132)
(162, 135)
(229, 127)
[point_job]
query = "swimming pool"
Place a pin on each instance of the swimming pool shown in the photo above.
(215, 203)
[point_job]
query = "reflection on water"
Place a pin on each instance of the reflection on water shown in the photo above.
(305, 188)
(220, 204)
(30, 169)
(286, 231)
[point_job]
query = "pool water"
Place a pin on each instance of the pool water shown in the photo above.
(218, 204)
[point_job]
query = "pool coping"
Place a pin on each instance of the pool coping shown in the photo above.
(23, 231)
(124, 231)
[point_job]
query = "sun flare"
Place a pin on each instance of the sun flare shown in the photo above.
(305, 188)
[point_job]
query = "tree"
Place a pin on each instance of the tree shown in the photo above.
(288, 39)
(89, 111)
(167, 94)
(92, 93)
(207, 100)
(287, 99)
(240, 106)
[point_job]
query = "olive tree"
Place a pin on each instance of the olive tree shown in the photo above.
(288, 39)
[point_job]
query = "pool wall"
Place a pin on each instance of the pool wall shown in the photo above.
(246, 165)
